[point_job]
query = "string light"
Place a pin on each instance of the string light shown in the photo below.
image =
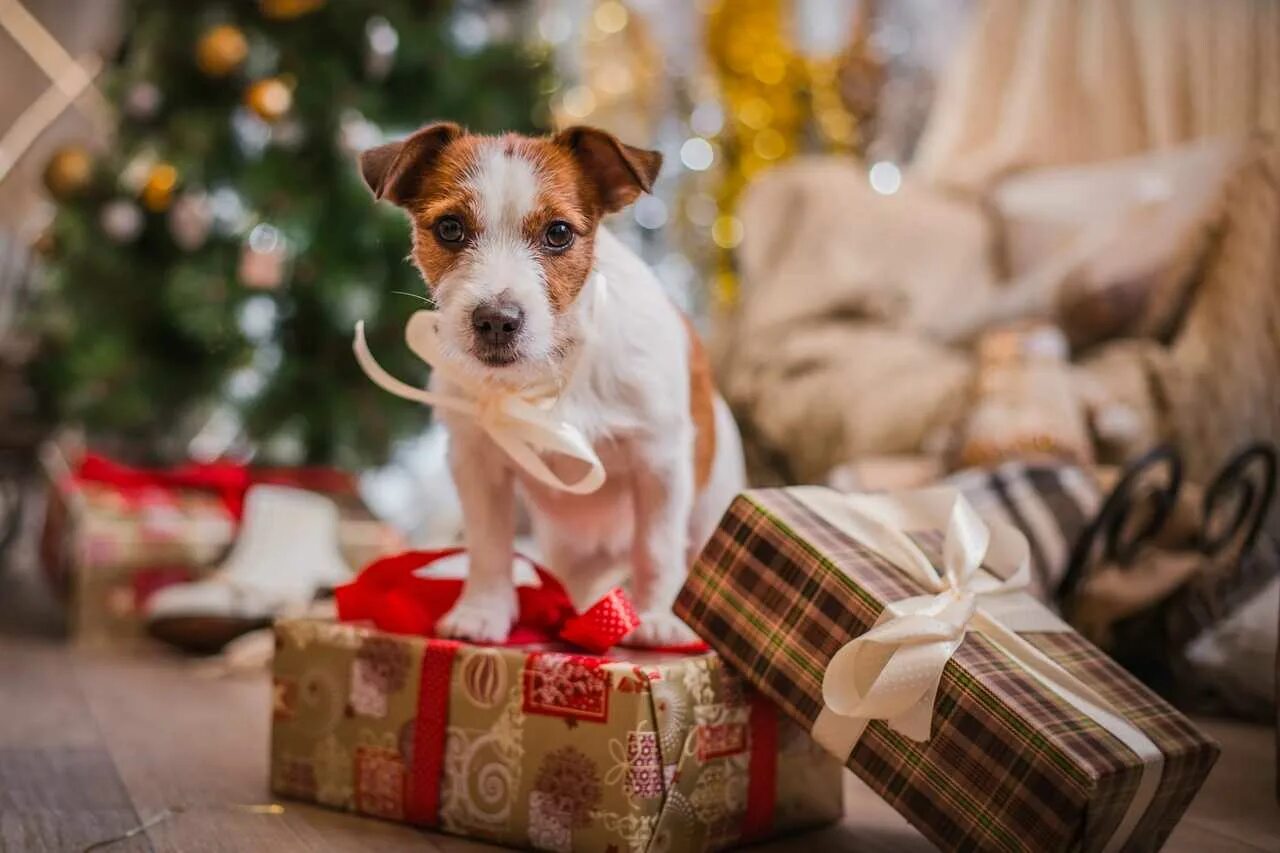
(727, 231)
(650, 212)
(615, 78)
(578, 102)
(769, 144)
(697, 154)
(610, 17)
(555, 26)
(707, 119)
(885, 177)
(619, 85)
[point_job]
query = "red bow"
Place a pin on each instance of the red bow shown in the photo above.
(389, 593)
(228, 480)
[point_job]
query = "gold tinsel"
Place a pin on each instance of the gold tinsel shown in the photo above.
(771, 92)
(774, 99)
(221, 50)
(620, 88)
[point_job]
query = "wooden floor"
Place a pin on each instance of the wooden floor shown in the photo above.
(94, 744)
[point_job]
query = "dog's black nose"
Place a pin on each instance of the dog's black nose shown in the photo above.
(497, 324)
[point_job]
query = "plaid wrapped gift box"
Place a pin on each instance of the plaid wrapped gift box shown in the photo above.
(536, 747)
(1008, 765)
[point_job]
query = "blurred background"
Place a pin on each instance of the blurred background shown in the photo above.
(188, 245)
(922, 237)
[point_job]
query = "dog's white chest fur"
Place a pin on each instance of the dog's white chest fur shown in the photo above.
(629, 394)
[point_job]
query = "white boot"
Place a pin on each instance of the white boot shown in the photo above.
(286, 551)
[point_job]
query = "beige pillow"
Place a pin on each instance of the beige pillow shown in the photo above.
(831, 353)
(1147, 221)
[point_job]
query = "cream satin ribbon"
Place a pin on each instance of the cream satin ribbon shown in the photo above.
(521, 422)
(893, 671)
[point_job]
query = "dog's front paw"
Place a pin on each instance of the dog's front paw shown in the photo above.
(659, 628)
(480, 618)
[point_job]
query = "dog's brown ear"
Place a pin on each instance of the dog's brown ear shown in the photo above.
(394, 171)
(619, 171)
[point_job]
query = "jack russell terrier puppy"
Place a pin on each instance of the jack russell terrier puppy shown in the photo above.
(530, 289)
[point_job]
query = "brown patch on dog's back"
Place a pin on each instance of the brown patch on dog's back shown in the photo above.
(702, 409)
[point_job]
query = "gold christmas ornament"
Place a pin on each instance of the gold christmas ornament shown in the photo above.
(269, 98)
(157, 192)
(68, 172)
(221, 50)
(285, 10)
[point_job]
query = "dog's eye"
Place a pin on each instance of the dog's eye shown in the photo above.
(450, 230)
(559, 235)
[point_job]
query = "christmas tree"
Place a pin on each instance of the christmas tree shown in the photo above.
(206, 271)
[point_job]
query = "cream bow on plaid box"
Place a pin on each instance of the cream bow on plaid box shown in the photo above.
(892, 671)
(522, 422)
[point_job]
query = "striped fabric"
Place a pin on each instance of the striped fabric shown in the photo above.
(1009, 766)
(1050, 504)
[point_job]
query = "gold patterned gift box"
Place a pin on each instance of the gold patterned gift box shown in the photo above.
(537, 747)
(106, 548)
(897, 630)
(104, 552)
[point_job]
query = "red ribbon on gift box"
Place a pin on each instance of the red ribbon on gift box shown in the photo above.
(430, 729)
(143, 486)
(392, 594)
(228, 480)
(762, 785)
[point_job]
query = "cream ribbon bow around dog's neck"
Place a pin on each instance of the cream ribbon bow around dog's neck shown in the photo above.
(521, 421)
